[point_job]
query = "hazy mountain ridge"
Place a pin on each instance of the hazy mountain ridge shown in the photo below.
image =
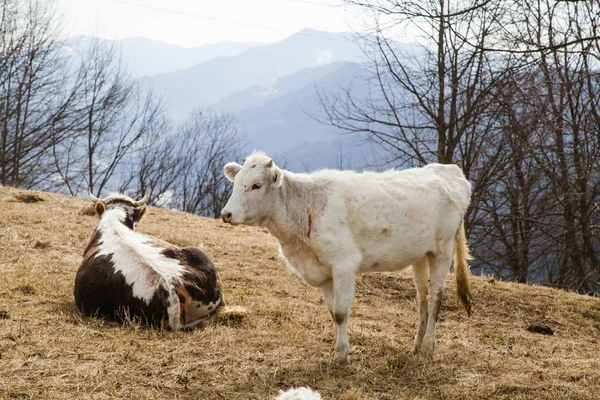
(147, 57)
(212, 81)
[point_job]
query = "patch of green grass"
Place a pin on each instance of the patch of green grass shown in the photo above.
(499, 339)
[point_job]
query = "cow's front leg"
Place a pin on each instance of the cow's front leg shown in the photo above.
(338, 294)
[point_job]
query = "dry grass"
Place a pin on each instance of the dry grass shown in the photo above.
(47, 350)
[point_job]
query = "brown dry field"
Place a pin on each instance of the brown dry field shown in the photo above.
(49, 351)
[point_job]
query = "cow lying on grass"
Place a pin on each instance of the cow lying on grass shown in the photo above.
(332, 225)
(128, 275)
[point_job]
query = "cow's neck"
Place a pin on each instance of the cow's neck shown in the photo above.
(112, 221)
(291, 222)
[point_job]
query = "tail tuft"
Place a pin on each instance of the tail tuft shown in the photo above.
(232, 313)
(461, 269)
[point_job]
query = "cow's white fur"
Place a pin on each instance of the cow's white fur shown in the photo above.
(333, 224)
(133, 254)
(301, 393)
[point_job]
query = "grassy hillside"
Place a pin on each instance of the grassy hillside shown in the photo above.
(47, 350)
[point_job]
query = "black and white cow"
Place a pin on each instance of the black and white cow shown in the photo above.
(125, 274)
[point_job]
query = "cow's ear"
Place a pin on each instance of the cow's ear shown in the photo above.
(276, 177)
(274, 173)
(139, 213)
(100, 208)
(231, 170)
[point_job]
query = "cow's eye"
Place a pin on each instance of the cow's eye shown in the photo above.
(256, 186)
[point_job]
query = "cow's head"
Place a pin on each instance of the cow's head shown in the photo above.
(255, 187)
(133, 210)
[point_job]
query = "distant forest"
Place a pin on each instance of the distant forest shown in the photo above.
(507, 90)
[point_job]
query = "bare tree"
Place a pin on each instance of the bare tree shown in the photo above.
(35, 92)
(183, 167)
(155, 168)
(571, 85)
(509, 236)
(115, 113)
(522, 122)
(427, 98)
(207, 141)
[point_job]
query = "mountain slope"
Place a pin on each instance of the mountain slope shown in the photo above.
(287, 126)
(50, 351)
(256, 96)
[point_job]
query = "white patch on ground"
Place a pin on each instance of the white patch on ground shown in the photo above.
(301, 393)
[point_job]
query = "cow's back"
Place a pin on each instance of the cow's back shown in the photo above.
(395, 214)
(101, 291)
(429, 188)
(455, 185)
(200, 281)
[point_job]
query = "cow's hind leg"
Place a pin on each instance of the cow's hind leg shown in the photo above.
(439, 266)
(420, 275)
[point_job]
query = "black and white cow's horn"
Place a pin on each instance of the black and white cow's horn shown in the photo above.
(92, 197)
(143, 200)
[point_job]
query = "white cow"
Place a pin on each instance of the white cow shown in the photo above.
(332, 225)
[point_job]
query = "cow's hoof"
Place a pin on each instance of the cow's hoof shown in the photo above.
(340, 357)
(416, 348)
(427, 350)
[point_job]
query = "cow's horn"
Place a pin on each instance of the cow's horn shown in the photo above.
(92, 197)
(143, 200)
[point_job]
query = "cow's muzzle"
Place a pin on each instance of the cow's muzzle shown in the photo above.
(226, 216)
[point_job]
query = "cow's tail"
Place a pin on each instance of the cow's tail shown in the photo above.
(225, 313)
(231, 313)
(461, 269)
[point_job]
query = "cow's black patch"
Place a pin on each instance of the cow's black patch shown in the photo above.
(100, 291)
(339, 318)
(201, 280)
(94, 242)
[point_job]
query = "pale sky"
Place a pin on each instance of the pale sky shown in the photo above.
(195, 22)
